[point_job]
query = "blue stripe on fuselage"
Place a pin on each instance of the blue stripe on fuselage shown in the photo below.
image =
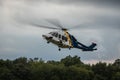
(74, 41)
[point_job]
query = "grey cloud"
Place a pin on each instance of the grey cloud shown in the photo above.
(87, 2)
(111, 41)
(78, 1)
(94, 3)
(1, 3)
(105, 22)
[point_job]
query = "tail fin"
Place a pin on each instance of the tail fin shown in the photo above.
(92, 45)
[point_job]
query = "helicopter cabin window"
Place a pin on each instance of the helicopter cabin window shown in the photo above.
(53, 34)
(64, 38)
(59, 36)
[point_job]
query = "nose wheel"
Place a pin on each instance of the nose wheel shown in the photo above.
(59, 49)
(69, 48)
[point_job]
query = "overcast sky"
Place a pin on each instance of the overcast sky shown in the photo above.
(99, 22)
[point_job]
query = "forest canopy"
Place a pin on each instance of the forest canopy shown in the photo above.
(68, 68)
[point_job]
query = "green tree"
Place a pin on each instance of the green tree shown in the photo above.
(78, 73)
(99, 77)
(116, 76)
(5, 74)
(100, 69)
(21, 60)
(22, 71)
(69, 61)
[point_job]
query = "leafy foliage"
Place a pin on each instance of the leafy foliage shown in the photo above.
(68, 68)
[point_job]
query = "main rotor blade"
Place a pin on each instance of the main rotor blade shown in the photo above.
(78, 26)
(55, 22)
(42, 26)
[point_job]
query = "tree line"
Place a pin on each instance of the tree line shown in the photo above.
(68, 68)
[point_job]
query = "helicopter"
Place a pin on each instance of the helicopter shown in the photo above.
(63, 39)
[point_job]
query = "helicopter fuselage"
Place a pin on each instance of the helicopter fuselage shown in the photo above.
(57, 38)
(65, 40)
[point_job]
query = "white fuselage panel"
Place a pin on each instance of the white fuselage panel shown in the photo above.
(57, 38)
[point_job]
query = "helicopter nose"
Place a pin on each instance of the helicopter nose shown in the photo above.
(44, 36)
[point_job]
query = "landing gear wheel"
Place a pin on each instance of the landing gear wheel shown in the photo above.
(69, 48)
(59, 49)
(48, 42)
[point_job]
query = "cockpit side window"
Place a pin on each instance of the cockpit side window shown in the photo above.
(53, 34)
(59, 36)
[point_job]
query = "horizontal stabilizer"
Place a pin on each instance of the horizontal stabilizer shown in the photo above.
(90, 48)
(92, 45)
